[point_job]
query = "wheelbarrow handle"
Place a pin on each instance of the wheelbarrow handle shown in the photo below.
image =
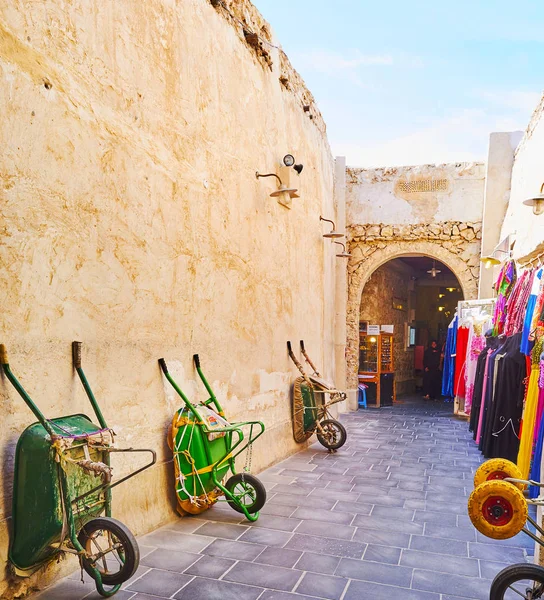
(196, 360)
(3, 355)
(76, 354)
(162, 364)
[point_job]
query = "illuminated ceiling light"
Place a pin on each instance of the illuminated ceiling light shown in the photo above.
(441, 308)
(441, 296)
(451, 289)
(434, 271)
(372, 340)
(537, 202)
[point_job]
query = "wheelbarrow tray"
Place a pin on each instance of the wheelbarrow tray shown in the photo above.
(37, 498)
(305, 409)
(205, 453)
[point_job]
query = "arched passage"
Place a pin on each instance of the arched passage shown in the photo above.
(367, 258)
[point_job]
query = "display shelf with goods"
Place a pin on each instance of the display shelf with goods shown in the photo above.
(376, 368)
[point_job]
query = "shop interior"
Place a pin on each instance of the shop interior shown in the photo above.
(406, 303)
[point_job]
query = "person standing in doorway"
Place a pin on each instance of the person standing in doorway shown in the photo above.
(432, 376)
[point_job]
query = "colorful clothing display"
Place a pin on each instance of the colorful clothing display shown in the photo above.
(448, 369)
(503, 391)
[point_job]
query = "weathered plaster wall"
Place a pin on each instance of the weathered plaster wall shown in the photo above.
(456, 244)
(131, 219)
(500, 160)
(388, 281)
(421, 194)
(527, 178)
(434, 210)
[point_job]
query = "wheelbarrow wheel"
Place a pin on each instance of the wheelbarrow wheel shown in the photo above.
(525, 580)
(334, 434)
(498, 468)
(247, 490)
(497, 509)
(110, 548)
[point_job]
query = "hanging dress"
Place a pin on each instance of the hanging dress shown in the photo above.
(529, 414)
(476, 343)
(449, 359)
(534, 491)
(478, 391)
(460, 358)
(526, 344)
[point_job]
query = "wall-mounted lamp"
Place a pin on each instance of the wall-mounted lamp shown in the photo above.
(434, 271)
(289, 161)
(343, 254)
(491, 260)
(537, 202)
(283, 193)
(333, 233)
(451, 289)
(441, 296)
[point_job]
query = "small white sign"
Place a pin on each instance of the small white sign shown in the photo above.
(388, 328)
(373, 330)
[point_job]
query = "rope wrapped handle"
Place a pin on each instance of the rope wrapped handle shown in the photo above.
(3, 355)
(76, 354)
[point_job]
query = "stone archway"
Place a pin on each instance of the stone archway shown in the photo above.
(458, 252)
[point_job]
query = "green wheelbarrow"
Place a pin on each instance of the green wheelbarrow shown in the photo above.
(62, 493)
(205, 446)
(310, 407)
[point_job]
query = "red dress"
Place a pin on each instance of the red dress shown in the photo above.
(460, 359)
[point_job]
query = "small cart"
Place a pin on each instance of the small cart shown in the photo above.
(62, 487)
(205, 447)
(310, 407)
(498, 509)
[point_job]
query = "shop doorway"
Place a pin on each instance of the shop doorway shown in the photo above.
(406, 302)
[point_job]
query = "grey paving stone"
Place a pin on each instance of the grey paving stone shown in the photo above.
(279, 523)
(320, 514)
(221, 530)
(443, 583)
(275, 595)
(324, 586)
(208, 589)
(326, 546)
(266, 537)
(375, 572)
(236, 550)
(210, 566)
(169, 560)
(388, 512)
(164, 538)
(429, 561)
(186, 524)
(67, 589)
(497, 553)
(383, 554)
(317, 563)
(294, 501)
(278, 510)
(293, 489)
(268, 576)
(439, 545)
(280, 557)
(339, 486)
(382, 538)
(386, 524)
(342, 532)
(464, 534)
(489, 569)
(429, 516)
(159, 583)
(353, 508)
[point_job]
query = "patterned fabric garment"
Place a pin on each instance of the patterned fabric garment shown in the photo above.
(529, 413)
(537, 323)
(534, 491)
(516, 304)
(476, 343)
(503, 286)
(448, 370)
(460, 359)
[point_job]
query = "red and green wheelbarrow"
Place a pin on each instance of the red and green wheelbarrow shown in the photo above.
(311, 398)
(62, 493)
(205, 446)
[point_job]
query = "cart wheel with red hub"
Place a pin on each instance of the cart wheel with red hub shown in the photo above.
(497, 509)
(498, 468)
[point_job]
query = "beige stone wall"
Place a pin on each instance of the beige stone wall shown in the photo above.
(131, 219)
(389, 281)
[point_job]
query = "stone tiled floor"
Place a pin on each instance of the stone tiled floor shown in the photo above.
(385, 517)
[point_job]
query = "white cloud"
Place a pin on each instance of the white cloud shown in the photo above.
(459, 137)
(334, 64)
(516, 99)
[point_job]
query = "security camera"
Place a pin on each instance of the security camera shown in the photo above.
(288, 160)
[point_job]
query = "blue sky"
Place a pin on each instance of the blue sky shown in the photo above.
(413, 82)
